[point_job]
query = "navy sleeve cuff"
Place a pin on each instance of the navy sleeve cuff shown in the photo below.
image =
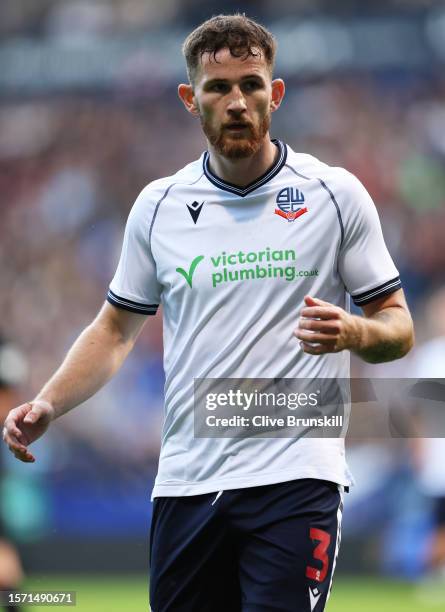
(120, 302)
(377, 292)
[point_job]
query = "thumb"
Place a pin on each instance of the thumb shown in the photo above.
(33, 415)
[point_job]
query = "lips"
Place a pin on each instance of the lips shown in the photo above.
(237, 126)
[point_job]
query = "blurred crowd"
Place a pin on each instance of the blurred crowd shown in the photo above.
(71, 166)
(87, 17)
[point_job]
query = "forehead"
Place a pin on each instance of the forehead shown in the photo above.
(226, 66)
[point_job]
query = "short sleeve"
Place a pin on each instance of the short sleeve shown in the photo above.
(365, 265)
(135, 286)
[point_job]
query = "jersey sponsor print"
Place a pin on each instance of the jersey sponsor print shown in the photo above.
(231, 266)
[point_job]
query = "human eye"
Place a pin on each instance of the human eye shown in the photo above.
(252, 85)
(218, 87)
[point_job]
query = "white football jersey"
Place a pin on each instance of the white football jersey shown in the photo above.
(231, 267)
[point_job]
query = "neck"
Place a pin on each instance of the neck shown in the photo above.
(242, 172)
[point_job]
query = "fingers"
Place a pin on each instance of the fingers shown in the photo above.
(322, 331)
(39, 409)
(17, 414)
(24, 456)
(318, 327)
(311, 301)
(320, 312)
(10, 426)
(14, 437)
(321, 326)
(316, 308)
(318, 349)
(309, 336)
(33, 415)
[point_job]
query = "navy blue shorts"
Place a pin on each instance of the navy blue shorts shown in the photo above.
(260, 549)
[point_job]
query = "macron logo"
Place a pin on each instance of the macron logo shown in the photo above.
(195, 210)
(314, 595)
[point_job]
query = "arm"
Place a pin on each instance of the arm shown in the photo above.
(384, 333)
(94, 358)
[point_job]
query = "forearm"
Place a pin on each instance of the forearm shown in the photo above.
(93, 359)
(384, 336)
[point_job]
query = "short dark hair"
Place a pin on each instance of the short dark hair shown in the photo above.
(240, 34)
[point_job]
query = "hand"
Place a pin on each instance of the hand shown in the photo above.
(25, 424)
(325, 328)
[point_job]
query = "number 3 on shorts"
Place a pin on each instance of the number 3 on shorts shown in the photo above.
(320, 554)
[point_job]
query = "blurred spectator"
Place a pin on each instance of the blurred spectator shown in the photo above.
(13, 371)
(429, 362)
(72, 163)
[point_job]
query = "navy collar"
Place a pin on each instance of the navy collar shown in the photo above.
(264, 178)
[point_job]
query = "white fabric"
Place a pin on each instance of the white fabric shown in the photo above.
(243, 328)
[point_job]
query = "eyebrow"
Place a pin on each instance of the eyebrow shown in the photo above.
(223, 80)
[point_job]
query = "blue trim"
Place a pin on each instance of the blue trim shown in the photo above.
(334, 201)
(158, 203)
(377, 292)
(332, 197)
(298, 173)
(120, 302)
(262, 180)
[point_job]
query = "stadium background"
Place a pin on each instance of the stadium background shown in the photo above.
(88, 116)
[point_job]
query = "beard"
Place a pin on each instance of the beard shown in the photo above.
(233, 145)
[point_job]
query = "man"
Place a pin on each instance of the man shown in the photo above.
(235, 245)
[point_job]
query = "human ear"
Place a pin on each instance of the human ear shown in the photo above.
(278, 90)
(187, 96)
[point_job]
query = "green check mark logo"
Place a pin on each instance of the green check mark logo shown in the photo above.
(189, 275)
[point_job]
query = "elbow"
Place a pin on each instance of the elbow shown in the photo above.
(407, 338)
(401, 349)
(390, 336)
(410, 339)
(392, 350)
(406, 341)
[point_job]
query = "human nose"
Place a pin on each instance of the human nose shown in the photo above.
(237, 102)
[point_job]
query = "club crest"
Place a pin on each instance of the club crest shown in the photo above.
(289, 203)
